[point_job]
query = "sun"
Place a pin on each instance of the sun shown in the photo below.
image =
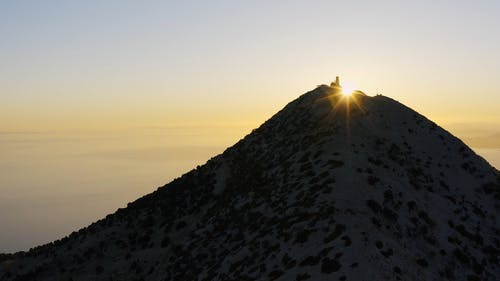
(347, 89)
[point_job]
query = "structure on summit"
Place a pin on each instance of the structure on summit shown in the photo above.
(336, 84)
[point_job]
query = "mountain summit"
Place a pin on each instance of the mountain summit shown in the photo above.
(330, 188)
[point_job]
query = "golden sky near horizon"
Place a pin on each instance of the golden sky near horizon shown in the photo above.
(71, 66)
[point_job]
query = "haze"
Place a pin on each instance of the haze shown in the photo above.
(103, 101)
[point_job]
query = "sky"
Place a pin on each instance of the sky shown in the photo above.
(142, 80)
(72, 64)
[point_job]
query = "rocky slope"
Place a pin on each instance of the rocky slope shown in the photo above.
(330, 188)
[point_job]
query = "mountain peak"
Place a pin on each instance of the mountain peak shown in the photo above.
(332, 186)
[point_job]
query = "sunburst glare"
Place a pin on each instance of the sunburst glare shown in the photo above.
(348, 89)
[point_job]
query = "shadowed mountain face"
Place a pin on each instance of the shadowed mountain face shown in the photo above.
(330, 188)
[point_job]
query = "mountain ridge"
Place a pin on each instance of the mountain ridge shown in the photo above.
(301, 197)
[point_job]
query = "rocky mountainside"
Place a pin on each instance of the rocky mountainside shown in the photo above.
(330, 188)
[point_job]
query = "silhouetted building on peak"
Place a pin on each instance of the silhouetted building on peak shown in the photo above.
(336, 84)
